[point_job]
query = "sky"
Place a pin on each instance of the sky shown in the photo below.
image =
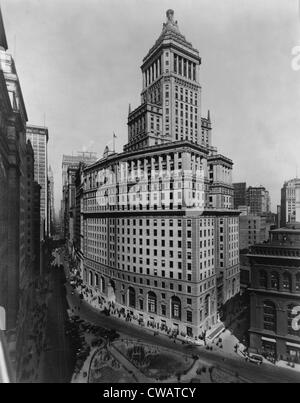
(79, 66)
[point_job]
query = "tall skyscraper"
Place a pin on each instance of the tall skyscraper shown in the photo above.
(157, 221)
(38, 137)
(240, 194)
(288, 201)
(51, 209)
(258, 199)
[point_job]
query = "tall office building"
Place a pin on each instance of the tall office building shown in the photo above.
(288, 201)
(13, 185)
(253, 229)
(258, 199)
(158, 227)
(240, 194)
(51, 210)
(71, 162)
(38, 137)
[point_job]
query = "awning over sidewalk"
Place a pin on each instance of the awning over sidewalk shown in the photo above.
(292, 345)
(268, 339)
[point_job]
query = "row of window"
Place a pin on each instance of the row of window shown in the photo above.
(176, 308)
(270, 318)
(279, 282)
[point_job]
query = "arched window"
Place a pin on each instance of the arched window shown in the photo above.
(90, 278)
(287, 281)
(96, 280)
(263, 279)
(131, 297)
(274, 280)
(152, 302)
(269, 316)
(298, 282)
(176, 308)
(293, 324)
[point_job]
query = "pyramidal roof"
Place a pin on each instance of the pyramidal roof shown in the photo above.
(170, 31)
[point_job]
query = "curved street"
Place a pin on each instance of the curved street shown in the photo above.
(266, 373)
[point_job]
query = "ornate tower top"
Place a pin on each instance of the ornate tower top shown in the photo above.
(170, 16)
(170, 32)
(170, 24)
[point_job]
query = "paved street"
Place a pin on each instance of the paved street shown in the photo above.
(250, 371)
(57, 365)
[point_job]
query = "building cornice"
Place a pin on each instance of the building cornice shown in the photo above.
(189, 213)
(192, 53)
(148, 151)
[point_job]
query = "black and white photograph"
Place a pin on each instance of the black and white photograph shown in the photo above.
(149, 194)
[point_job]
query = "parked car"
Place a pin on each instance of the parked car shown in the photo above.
(191, 340)
(255, 358)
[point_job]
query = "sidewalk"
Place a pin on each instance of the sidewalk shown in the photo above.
(284, 364)
(228, 343)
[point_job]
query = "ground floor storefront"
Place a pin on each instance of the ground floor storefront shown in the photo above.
(149, 319)
(275, 348)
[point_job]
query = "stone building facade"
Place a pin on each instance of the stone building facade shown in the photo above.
(71, 162)
(258, 199)
(158, 226)
(17, 232)
(289, 192)
(275, 295)
(38, 136)
(14, 235)
(253, 230)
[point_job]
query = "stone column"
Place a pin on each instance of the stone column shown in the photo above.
(144, 79)
(152, 167)
(169, 165)
(176, 161)
(160, 165)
